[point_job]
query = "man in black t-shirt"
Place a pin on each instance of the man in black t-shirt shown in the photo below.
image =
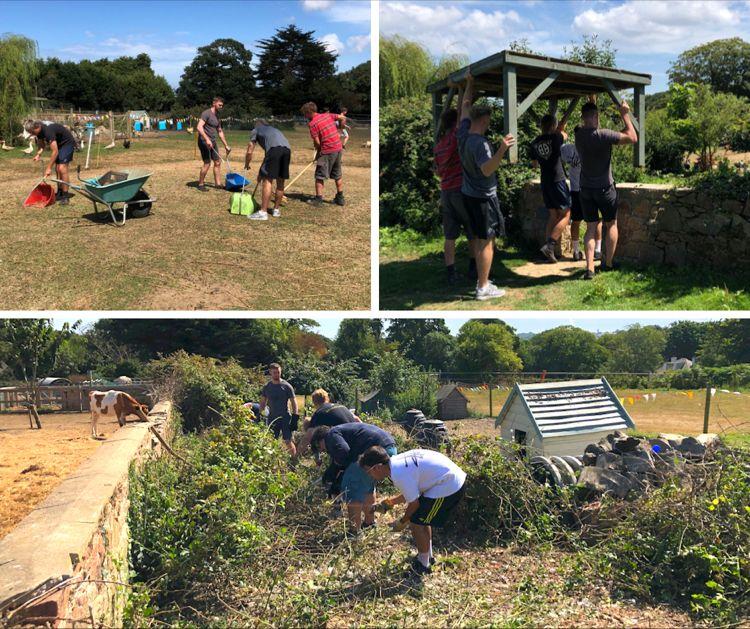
(545, 150)
(62, 144)
(326, 414)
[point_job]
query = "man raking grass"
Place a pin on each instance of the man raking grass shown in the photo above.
(275, 166)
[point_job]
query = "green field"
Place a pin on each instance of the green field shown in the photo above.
(412, 277)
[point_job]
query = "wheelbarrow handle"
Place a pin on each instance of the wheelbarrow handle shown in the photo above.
(78, 173)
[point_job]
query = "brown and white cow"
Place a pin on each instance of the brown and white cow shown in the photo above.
(114, 403)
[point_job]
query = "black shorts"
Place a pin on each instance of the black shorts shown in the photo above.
(435, 511)
(576, 213)
(65, 154)
(454, 215)
(208, 155)
(485, 218)
(596, 201)
(556, 195)
(276, 163)
(328, 166)
(281, 426)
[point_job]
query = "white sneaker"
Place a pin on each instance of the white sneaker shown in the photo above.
(489, 292)
(258, 216)
(276, 212)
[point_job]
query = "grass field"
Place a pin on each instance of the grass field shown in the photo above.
(190, 253)
(671, 412)
(412, 277)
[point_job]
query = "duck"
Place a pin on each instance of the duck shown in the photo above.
(5, 147)
(30, 148)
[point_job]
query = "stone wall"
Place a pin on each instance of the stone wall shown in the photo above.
(660, 224)
(66, 563)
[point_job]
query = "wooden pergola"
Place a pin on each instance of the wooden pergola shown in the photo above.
(526, 78)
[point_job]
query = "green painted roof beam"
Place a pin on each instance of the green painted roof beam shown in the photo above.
(537, 92)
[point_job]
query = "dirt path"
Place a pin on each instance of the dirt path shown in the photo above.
(34, 462)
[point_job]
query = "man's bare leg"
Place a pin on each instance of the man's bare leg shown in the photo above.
(612, 236)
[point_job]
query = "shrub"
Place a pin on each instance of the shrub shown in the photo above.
(664, 148)
(503, 502)
(202, 384)
(687, 543)
(189, 522)
(724, 183)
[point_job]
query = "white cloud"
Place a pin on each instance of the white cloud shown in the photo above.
(358, 43)
(357, 12)
(314, 5)
(88, 33)
(333, 43)
(451, 28)
(640, 26)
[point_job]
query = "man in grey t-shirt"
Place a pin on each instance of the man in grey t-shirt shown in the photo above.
(598, 192)
(278, 395)
(479, 188)
(275, 166)
(209, 126)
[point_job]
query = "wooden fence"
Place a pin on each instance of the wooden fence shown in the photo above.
(68, 397)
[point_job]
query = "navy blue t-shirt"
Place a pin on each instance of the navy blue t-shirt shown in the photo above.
(346, 442)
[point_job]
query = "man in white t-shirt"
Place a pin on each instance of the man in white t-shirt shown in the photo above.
(431, 485)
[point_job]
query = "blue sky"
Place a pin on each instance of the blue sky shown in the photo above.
(170, 32)
(536, 322)
(647, 35)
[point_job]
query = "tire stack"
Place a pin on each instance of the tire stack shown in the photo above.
(429, 433)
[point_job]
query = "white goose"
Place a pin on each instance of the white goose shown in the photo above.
(30, 148)
(5, 147)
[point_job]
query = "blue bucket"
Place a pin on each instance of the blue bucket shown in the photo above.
(162, 125)
(235, 181)
(138, 126)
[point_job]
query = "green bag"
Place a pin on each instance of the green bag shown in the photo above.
(242, 204)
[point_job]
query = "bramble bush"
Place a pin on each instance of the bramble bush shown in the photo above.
(200, 384)
(191, 522)
(687, 543)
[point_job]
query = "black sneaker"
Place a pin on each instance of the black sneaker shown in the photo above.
(316, 201)
(202, 188)
(339, 199)
(418, 568)
(64, 201)
(603, 268)
(578, 256)
(368, 525)
(588, 275)
(597, 255)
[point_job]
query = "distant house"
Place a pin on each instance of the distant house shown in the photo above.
(561, 418)
(676, 364)
(451, 403)
(373, 401)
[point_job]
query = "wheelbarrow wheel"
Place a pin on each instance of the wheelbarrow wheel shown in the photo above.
(139, 206)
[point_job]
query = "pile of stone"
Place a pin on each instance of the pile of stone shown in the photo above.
(619, 464)
(429, 433)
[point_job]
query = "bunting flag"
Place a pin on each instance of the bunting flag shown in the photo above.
(690, 394)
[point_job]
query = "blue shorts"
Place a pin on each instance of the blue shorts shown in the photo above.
(65, 154)
(357, 484)
(556, 195)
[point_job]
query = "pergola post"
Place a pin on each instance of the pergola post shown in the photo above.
(553, 107)
(435, 114)
(510, 108)
(639, 109)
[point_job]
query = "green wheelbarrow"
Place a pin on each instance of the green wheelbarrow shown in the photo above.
(119, 191)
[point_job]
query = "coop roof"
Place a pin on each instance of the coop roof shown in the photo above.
(569, 408)
(445, 390)
(50, 381)
(572, 78)
(368, 396)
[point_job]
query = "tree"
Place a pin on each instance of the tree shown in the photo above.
(638, 349)
(405, 69)
(354, 89)
(393, 373)
(684, 338)
(486, 347)
(32, 346)
(565, 348)
(293, 68)
(223, 68)
(408, 334)
(724, 64)
(438, 351)
(591, 50)
(19, 70)
(726, 343)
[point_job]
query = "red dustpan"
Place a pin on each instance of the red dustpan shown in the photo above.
(41, 196)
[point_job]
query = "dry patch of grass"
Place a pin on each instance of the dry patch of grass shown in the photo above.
(34, 462)
(190, 253)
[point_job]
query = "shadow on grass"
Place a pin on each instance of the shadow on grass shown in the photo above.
(410, 284)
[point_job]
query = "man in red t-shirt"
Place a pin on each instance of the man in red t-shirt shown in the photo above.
(448, 169)
(324, 131)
